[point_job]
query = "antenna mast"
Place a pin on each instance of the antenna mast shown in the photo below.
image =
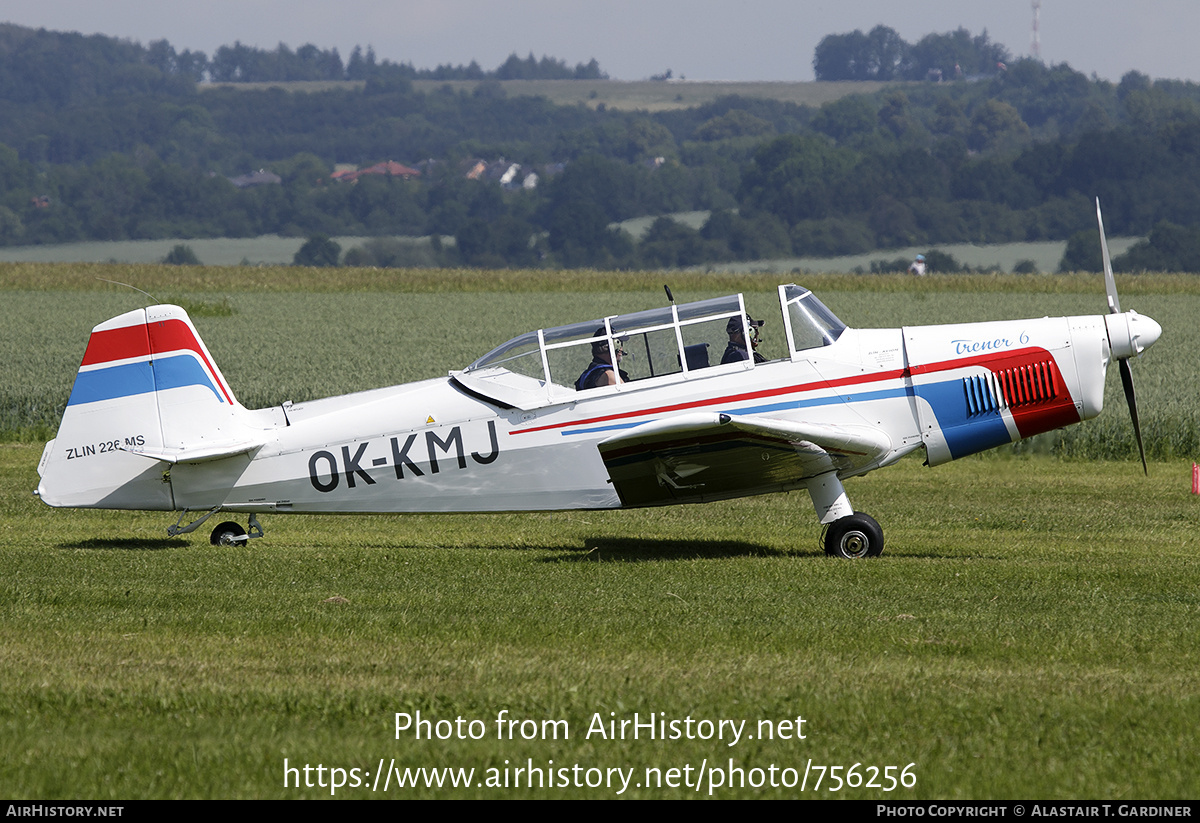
(1035, 48)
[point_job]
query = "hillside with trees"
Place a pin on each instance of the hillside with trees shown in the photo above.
(103, 139)
(882, 54)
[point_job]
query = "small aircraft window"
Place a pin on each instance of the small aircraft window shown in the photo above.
(725, 306)
(626, 323)
(705, 342)
(570, 349)
(704, 327)
(521, 355)
(576, 332)
(651, 354)
(811, 324)
(651, 348)
(589, 360)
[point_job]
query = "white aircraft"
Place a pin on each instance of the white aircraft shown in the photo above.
(544, 421)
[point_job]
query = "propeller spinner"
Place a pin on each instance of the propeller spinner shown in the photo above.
(1129, 333)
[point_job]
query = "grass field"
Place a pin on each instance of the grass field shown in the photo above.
(1029, 633)
(269, 250)
(649, 95)
(1001, 257)
(644, 95)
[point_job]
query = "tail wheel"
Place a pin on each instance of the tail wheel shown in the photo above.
(856, 535)
(228, 534)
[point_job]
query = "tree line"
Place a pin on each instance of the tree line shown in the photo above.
(67, 68)
(882, 54)
(245, 64)
(139, 151)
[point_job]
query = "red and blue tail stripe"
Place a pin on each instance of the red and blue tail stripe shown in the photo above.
(145, 357)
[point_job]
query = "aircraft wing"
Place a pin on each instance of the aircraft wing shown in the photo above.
(711, 456)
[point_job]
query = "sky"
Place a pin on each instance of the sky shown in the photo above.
(634, 39)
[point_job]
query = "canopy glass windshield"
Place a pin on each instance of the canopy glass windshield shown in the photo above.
(672, 340)
(809, 323)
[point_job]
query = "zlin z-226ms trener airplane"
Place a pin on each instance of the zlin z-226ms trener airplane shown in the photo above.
(152, 424)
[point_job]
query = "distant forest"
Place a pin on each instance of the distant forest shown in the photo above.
(69, 67)
(882, 54)
(108, 139)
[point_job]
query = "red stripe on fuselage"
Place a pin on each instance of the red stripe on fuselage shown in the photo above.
(989, 361)
(732, 398)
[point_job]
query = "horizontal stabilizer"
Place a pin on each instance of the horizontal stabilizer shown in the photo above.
(201, 454)
(710, 456)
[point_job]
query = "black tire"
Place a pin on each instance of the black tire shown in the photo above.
(226, 534)
(854, 536)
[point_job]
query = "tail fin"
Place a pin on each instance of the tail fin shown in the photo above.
(147, 395)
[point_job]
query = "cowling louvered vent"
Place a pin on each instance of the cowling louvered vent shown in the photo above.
(981, 394)
(1024, 385)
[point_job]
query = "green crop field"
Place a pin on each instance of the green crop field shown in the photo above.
(1029, 632)
(632, 95)
(269, 250)
(650, 95)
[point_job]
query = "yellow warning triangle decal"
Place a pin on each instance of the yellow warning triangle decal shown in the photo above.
(429, 419)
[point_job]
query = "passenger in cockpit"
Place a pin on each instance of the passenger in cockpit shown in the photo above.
(737, 349)
(600, 371)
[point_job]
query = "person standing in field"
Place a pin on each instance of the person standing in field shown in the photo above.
(918, 266)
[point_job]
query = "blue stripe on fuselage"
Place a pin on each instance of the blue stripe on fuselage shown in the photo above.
(857, 397)
(965, 433)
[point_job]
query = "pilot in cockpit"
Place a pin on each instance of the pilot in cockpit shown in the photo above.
(600, 371)
(737, 349)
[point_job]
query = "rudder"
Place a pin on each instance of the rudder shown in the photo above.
(146, 395)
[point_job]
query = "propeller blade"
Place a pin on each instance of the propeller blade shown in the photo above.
(1110, 283)
(1151, 331)
(1131, 399)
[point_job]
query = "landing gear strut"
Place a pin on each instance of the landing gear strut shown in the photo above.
(231, 534)
(226, 534)
(848, 533)
(856, 535)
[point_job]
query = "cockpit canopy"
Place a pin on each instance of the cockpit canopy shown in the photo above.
(650, 347)
(809, 323)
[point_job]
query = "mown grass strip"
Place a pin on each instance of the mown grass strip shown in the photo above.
(1028, 633)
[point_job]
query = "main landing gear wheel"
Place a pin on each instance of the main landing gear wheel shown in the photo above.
(856, 535)
(228, 534)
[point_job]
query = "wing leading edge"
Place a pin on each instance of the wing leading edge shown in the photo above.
(695, 458)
